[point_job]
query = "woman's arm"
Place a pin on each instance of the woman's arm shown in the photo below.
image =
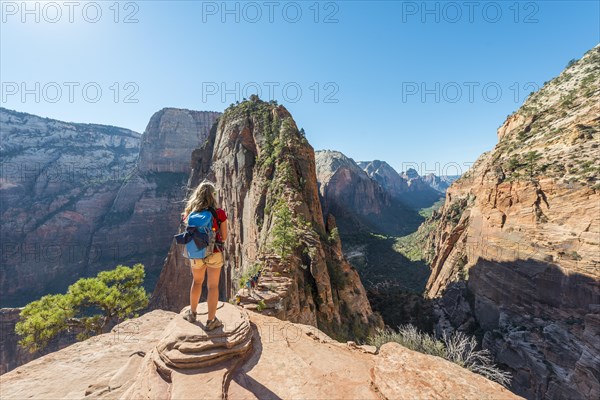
(223, 230)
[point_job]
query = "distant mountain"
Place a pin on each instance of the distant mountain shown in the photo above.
(439, 183)
(356, 200)
(80, 198)
(408, 187)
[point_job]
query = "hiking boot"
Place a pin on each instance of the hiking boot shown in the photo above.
(190, 316)
(213, 323)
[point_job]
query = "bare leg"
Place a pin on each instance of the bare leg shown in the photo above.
(213, 290)
(196, 289)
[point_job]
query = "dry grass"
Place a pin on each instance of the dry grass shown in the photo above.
(457, 348)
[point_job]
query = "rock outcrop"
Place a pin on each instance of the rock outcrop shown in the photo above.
(264, 171)
(357, 201)
(408, 187)
(161, 356)
(517, 243)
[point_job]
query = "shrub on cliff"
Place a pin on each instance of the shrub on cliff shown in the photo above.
(89, 306)
(457, 348)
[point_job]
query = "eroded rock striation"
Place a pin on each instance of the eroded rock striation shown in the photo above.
(58, 181)
(517, 243)
(263, 166)
(253, 356)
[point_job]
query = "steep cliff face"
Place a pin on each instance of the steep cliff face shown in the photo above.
(170, 135)
(386, 176)
(517, 243)
(58, 181)
(145, 212)
(356, 200)
(408, 187)
(12, 355)
(262, 167)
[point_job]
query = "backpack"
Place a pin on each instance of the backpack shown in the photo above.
(200, 235)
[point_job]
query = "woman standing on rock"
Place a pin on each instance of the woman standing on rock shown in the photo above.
(204, 198)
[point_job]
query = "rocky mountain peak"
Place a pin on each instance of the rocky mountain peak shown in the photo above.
(330, 161)
(357, 201)
(410, 173)
(264, 167)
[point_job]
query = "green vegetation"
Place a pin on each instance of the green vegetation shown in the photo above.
(380, 258)
(411, 246)
(285, 236)
(89, 305)
(455, 211)
(525, 165)
(261, 305)
(428, 212)
(334, 236)
(571, 62)
(457, 348)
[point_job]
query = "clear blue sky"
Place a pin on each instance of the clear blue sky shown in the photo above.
(373, 57)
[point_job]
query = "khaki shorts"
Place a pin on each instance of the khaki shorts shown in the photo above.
(215, 260)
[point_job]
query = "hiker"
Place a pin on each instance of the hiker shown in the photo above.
(203, 199)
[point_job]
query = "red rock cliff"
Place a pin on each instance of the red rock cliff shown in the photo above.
(521, 232)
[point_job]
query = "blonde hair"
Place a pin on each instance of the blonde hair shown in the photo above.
(202, 197)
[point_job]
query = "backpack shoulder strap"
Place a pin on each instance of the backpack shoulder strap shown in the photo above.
(214, 214)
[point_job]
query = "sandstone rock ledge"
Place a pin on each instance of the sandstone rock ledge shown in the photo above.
(252, 356)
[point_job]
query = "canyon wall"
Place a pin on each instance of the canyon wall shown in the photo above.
(515, 250)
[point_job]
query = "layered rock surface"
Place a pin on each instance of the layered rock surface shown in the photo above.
(161, 356)
(58, 181)
(262, 164)
(517, 243)
(170, 136)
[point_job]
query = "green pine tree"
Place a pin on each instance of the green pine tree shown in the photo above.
(285, 237)
(90, 304)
